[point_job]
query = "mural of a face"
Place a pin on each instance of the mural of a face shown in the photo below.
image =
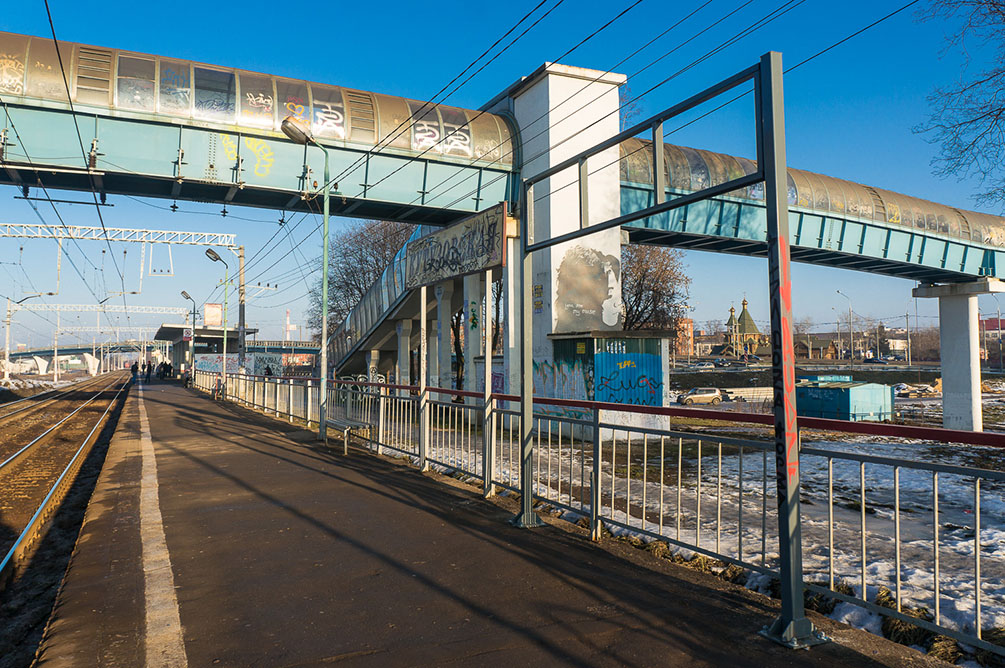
(588, 293)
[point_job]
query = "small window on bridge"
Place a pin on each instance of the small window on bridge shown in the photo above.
(135, 88)
(258, 101)
(292, 98)
(45, 79)
(426, 132)
(12, 61)
(215, 95)
(175, 87)
(456, 132)
(329, 112)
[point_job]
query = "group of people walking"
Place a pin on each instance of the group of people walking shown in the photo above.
(163, 370)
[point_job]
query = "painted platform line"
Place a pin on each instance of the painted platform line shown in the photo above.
(164, 642)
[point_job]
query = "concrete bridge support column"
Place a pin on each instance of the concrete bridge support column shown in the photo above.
(444, 297)
(511, 317)
(473, 328)
(434, 352)
(373, 369)
(959, 350)
(404, 329)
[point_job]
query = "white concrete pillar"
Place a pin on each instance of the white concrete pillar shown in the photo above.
(511, 317)
(959, 348)
(473, 328)
(404, 329)
(444, 297)
(373, 369)
(434, 352)
(576, 286)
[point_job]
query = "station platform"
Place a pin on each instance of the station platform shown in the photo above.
(219, 537)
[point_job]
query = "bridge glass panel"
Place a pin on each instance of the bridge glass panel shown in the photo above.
(258, 101)
(45, 79)
(12, 59)
(456, 132)
(485, 139)
(175, 87)
(698, 168)
(293, 100)
(392, 121)
(215, 95)
(329, 112)
(680, 169)
(135, 88)
(426, 131)
(804, 191)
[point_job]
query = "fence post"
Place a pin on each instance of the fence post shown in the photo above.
(310, 404)
(489, 446)
(423, 390)
(792, 627)
(380, 420)
(595, 479)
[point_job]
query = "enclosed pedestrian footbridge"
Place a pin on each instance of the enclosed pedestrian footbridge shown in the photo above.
(130, 123)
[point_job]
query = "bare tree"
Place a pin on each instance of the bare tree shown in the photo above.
(358, 256)
(802, 326)
(968, 116)
(654, 287)
(715, 327)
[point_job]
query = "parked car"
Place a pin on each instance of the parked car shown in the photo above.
(703, 365)
(722, 362)
(874, 360)
(701, 395)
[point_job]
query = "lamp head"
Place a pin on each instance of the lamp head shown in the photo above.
(186, 295)
(296, 130)
(211, 254)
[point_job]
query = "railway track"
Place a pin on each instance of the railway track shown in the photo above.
(39, 463)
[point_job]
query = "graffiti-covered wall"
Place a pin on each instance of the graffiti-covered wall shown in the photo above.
(629, 371)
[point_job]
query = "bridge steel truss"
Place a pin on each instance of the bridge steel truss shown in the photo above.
(109, 308)
(117, 234)
(792, 628)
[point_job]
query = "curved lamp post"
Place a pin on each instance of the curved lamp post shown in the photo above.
(212, 255)
(295, 129)
(191, 343)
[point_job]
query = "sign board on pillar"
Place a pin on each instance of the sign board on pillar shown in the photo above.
(186, 334)
(467, 247)
(212, 315)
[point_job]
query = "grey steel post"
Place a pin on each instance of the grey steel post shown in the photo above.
(526, 517)
(488, 418)
(6, 346)
(423, 391)
(792, 628)
(323, 399)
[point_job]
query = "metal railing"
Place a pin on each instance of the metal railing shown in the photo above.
(888, 523)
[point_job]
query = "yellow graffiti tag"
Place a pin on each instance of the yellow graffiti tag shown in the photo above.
(229, 146)
(625, 364)
(263, 155)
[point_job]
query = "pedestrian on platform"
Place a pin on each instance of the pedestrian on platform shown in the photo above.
(135, 368)
(149, 369)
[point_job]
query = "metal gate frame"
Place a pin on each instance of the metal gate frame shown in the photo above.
(792, 628)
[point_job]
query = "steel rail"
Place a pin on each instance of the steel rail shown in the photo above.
(53, 497)
(27, 407)
(17, 455)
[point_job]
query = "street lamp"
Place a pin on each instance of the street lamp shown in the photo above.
(295, 129)
(191, 342)
(211, 254)
(851, 330)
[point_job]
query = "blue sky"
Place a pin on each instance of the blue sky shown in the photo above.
(849, 114)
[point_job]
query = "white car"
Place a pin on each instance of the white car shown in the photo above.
(703, 365)
(701, 395)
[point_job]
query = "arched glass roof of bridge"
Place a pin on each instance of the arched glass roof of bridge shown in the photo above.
(690, 169)
(132, 84)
